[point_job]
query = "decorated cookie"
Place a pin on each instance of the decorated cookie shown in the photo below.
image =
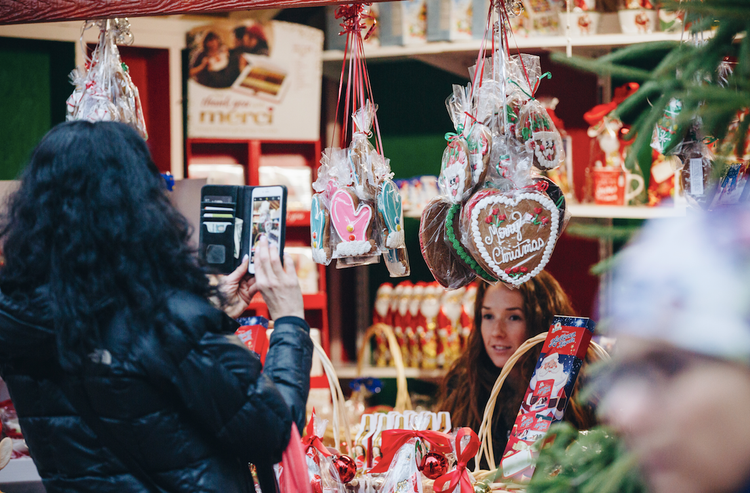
(353, 222)
(555, 193)
(397, 261)
(320, 231)
(445, 267)
(455, 174)
(537, 131)
(511, 235)
(479, 143)
(391, 215)
(452, 239)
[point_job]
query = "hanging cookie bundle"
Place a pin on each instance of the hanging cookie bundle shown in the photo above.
(497, 217)
(356, 213)
(104, 90)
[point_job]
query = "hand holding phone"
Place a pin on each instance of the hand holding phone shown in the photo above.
(278, 284)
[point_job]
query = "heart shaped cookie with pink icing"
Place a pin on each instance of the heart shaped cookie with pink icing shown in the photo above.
(511, 235)
(352, 220)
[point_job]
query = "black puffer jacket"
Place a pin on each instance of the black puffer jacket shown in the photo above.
(188, 401)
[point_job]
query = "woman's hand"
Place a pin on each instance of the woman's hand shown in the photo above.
(238, 289)
(278, 284)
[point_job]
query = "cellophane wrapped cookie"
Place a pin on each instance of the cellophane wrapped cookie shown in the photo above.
(358, 213)
(104, 90)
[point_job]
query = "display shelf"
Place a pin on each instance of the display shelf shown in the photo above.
(20, 470)
(464, 53)
(316, 301)
(623, 212)
(349, 372)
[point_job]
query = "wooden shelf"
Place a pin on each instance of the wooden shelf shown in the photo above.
(349, 372)
(463, 54)
(623, 212)
(20, 470)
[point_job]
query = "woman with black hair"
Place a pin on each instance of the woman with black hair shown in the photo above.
(124, 376)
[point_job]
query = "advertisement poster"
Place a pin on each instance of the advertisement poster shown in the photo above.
(253, 80)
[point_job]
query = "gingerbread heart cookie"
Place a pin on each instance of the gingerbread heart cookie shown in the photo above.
(452, 238)
(455, 174)
(511, 235)
(448, 271)
(353, 222)
(557, 196)
(320, 240)
(537, 131)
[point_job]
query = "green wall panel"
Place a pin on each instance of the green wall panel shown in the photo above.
(33, 89)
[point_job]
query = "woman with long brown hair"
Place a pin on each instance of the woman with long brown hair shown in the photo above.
(503, 319)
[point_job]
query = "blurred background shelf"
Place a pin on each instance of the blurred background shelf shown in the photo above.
(623, 212)
(349, 372)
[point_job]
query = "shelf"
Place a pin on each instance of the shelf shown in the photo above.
(316, 301)
(623, 212)
(463, 54)
(20, 470)
(297, 218)
(349, 372)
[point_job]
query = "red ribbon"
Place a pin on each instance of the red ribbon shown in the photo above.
(459, 475)
(393, 440)
(541, 185)
(312, 440)
(598, 112)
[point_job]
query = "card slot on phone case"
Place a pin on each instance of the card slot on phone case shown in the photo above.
(218, 243)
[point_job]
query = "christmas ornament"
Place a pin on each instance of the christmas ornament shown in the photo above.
(345, 467)
(434, 465)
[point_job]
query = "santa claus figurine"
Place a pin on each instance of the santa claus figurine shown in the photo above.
(429, 308)
(547, 386)
(416, 319)
(467, 313)
(382, 315)
(401, 317)
(449, 326)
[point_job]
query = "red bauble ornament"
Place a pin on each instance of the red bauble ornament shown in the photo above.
(345, 467)
(434, 465)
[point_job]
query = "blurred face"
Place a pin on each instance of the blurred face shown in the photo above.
(683, 415)
(212, 44)
(503, 323)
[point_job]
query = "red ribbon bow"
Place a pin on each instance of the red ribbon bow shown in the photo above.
(393, 440)
(598, 112)
(312, 440)
(459, 475)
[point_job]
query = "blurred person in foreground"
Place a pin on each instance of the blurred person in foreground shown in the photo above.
(125, 377)
(680, 384)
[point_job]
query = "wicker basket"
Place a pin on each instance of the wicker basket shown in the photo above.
(595, 353)
(340, 422)
(403, 401)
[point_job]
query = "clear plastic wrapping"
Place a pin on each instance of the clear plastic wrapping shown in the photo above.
(104, 90)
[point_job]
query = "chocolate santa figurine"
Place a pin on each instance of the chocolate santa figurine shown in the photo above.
(449, 326)
(429, 309)
(467, 314)
(415, 320)
(382, 315)
(401, 317)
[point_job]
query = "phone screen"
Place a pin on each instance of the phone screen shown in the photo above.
(266, 221)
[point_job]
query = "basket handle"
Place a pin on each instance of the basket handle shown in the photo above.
(340, 419)
(595, 352)
(403, 401)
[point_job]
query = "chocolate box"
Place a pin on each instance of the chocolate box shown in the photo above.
(548, 393)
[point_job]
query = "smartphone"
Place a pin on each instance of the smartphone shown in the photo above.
(268, 219)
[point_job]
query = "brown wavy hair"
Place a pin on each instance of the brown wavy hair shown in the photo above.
(466, 388)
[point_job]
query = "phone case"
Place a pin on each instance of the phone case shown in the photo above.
(226, 225)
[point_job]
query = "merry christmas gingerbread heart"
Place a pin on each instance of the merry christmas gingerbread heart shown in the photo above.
(512, 235)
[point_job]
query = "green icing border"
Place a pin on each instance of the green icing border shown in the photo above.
(463, 254)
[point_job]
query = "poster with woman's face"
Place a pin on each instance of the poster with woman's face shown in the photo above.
(254, 80)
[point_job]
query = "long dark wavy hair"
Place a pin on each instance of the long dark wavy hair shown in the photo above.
(466, 388)
(91, 233)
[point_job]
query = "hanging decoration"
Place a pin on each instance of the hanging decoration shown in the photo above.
(104, 90)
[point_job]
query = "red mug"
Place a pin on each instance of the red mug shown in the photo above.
(612, 186)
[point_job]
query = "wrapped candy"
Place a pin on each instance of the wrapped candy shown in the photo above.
(104, 90)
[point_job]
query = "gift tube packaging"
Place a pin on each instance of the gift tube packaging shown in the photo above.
(454, 20)
(403, 23)
(548, 393)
